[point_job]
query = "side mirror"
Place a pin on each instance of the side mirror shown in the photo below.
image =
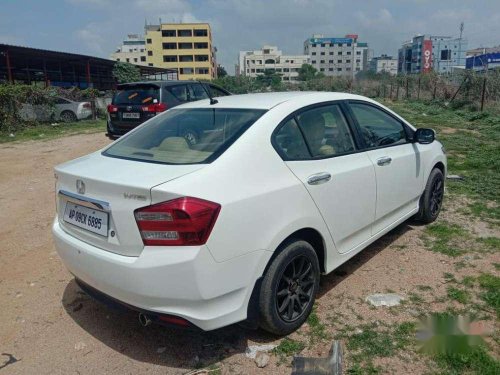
(424, 136)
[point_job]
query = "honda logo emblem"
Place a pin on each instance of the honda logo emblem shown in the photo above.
(80, 187)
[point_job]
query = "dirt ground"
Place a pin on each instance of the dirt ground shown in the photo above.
(48, 326)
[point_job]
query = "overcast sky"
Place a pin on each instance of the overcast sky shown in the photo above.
(97, 27)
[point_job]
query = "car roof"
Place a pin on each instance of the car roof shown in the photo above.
(267, 100)
(160, 83)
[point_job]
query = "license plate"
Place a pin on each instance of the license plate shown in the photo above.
(94, 221)
(131, 115)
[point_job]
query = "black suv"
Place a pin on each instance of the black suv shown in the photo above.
(137, 102)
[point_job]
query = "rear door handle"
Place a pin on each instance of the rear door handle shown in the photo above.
(384, 161)
(319, 178)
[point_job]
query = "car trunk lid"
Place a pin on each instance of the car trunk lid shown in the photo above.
(110, 189)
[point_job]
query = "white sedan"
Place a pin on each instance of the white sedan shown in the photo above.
(280, 188)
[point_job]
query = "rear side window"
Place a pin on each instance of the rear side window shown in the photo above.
(179, 93)
(163, 138)
(198, 92)
(377, 127)
(137, 95)
(290, 142)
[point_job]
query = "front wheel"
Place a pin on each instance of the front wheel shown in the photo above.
(68, 116)
(432, 198)
(289, 288)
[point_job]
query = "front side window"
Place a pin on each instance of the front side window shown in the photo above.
(161, 140)
(326, 131)
(377, 127)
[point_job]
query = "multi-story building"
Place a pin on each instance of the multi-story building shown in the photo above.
(186, 47)
(133, 50)
(384, 63)
(424, 53)
(337, 56)
(270, 58)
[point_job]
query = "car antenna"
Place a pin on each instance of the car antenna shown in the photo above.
(212, 100)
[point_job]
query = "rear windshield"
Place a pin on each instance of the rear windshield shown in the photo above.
(185, 136)
(146, 94)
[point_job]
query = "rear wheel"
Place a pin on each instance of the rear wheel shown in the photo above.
(432, 198)
(289, 288)
(68, 116)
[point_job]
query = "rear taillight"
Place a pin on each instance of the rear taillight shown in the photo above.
(86, 105)
(112, 108)
(159, 107)
(179, 222)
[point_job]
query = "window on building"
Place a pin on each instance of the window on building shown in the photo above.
(186, 70)
(269, 61)
(185, 58)
(291, 61)
(314, 53)
(331, 53)
(330, 61)
(340, 44)
(322, 70)
(322, 61)
(348, 69)
(348, 61)
(322, 44)
(348, 52)
(259, 70)
(185, 45)
(252, 70)
(135, 59)
(313, 62)
(358, 69)
(348, 44)
(339, 53)
(118, 59)
(339, 61)
(358, 52)
(169, 45)
(322, 53)
(330, 69)
(185, 33)
(142, 49)
(148, 41)
(200, 57)
(168, 33)
(445, 54)
(200, 45)
(358, 60)
(313, 45)
(202, 70)
(169, 58)
(200, 32)
(286, 79)
(286, 70)
(150, 53)
(150, 64)
(339, 69)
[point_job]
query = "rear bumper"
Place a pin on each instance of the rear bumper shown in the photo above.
(180, 281)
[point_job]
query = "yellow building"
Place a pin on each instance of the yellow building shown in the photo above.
(186, 47)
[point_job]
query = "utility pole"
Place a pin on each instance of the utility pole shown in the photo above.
(460, 43)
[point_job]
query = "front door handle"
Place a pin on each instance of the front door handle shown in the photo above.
(384, 161)
(319, 178)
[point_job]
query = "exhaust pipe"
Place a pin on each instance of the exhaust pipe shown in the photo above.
(144, 320)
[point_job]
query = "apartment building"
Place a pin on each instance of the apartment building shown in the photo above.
(337, 56)
(186, 47)
(425, 53)
(270, 58)
(384, 64)
(132, 50)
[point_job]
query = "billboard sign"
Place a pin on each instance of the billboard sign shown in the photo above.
(331, 40)
(426, 63)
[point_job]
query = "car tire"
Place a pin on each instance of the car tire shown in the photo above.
(431, 200)
(292, 279)
(67, 116)
(190, 136)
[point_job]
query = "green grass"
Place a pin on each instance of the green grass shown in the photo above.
(490, 294)
(288, 347)
(318, 330)
(374, 342)
(458, 295)
(47, 131)
(445, 238)
(477, 361)
(490, 243)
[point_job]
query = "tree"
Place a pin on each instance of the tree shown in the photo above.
(221, 71)
(270, 78)
(308, 72)
(125, 72)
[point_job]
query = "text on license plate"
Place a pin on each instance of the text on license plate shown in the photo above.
(87, 218)
(131, 115)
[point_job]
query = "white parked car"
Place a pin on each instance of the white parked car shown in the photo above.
(283, 188)
(69, 111)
